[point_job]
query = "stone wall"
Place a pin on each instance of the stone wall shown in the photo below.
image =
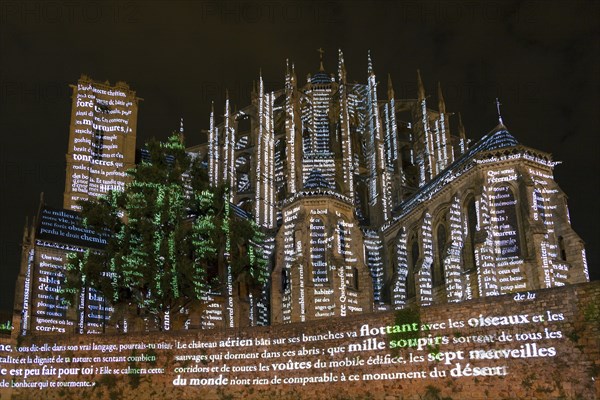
(531, 345)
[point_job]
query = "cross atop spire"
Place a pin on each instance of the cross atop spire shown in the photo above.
(341, 67)
(498, 104)
(321, 52)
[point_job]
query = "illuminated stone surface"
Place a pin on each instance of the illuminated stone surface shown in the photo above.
(101, 139)
(478, 219)
(541, 344)
(366, 204)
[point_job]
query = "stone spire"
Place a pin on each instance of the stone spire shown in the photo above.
(341, 67)
(461, 127)
(441, 102)
(26, 230)
(321, 52)
(420, 88)
(462, 135)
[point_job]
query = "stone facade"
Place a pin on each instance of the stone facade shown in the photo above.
(495, 222)
(39, 307)
(102, 139)
(440, 219)
(324, 271)
(367, 204)
(548, 349)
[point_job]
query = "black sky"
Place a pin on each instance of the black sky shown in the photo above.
(542, 59)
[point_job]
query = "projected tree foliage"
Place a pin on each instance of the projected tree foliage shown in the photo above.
(173, 239)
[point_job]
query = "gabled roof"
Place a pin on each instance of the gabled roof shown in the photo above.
(497, 138)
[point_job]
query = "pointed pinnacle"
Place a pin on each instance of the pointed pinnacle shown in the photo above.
(390, 88)
(26, 230)
(341, 67)
(441, 102)
(461, 127)
(420, 88)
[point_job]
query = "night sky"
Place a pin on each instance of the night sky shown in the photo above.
(540, 58)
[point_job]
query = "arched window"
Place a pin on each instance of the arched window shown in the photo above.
(507, 224)
(471, 221)
(401, 269)
(354, 281)
(361, 201)
(317, 251)
(562, 253)
(414, 259)
(342, 240)
(405, 154)
(439, 276)
(306, 141)
(243, 125)
(539, 205)
(284, 279)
